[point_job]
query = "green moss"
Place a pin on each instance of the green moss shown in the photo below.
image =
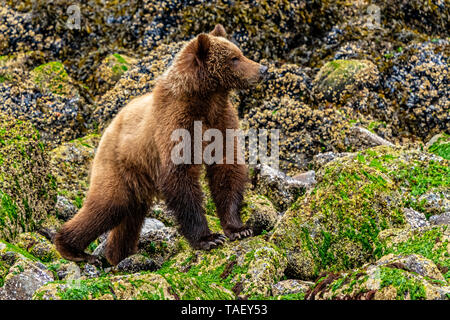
(336, 226)
(441, 147)
(403, 283)
(430, 244)
(52, 76)
(85, 289)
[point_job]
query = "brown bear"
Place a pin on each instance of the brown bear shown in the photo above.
(133, 162)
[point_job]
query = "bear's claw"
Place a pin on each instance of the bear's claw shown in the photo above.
(210, 242)
(247, 232)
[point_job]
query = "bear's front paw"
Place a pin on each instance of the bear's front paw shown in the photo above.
(238, 234)
(210, 241)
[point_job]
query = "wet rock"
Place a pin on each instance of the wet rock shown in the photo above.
(308, 177)
(24, 278)
(435, 201)
(414, 218)
(259, 213)
(361, 138)
(64, 208)
(136, 263)
(438, 219)
(278, 187)
(291, 286)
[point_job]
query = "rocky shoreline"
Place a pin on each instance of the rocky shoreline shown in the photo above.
(358, 89)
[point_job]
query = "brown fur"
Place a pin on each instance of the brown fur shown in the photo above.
(132, 164)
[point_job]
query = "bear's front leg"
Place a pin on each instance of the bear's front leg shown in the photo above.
(227, 185)
(184, 196)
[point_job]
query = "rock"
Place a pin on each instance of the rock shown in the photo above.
(49, 98)
(414, 218)
(361, 138)
(70, 164)
(291, 286)
(336, 224)
(427, 16)
(308, 177)
(258, 213)
(435, 201)
(110, 71)
(341, 78)
(440, 219)
(440, 145)
(147, 286)
(246, 268)
(390, 278)
(27, 192)
(136, 81)
(64, 208)
(136, 263)
(69, 272)
(278, 187)
(322, 159)
(156, 241)
(24, 278)
(420, 88)
(38, 246)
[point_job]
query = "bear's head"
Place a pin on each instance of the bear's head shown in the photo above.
(210, 63)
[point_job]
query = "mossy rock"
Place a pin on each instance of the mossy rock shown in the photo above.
(52, 77)
(410, 277)
(27, 189)
(245, 268)
(38, 246)
(340, 78)
(144, 286)
(70, 165)
(440, 145)
(110, 71)
(336, 225)
(432, 243)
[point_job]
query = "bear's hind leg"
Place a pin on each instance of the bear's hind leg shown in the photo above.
(97, 216)
(123, 239)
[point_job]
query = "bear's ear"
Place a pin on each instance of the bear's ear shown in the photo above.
(219, 31)
(202, 49)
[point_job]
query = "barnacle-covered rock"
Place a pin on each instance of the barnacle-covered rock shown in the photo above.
(428, 16)
(145, 286)
(139, 80)
(339, 79)
(245, 268)
(258, 213)
(70, 165)
(45, 95)
(336, 225)
(110, 71)
(263, 29)
(38, 246)
(418, 87)
(401, 277)
(26, 190)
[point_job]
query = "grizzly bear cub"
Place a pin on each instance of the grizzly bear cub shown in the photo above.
(133, 162)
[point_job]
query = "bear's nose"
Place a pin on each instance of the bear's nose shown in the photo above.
(263, 69)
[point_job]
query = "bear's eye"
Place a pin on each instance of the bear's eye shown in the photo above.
(235, 59)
